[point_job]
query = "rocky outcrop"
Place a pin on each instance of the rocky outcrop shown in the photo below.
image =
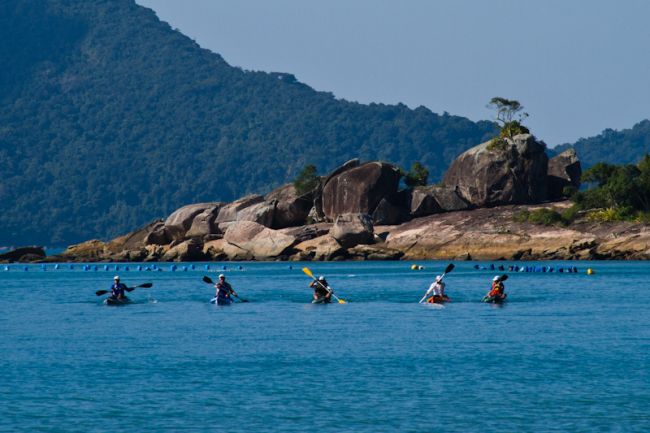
(563, 170)
(180, 221)
(186, 251)
(359, 189)
(509, 171)
(23, 254)
(204, 223)
(249, 208)
(429, 200)
(244, 239)
(350, 230)
(290, 209)
(320, 248)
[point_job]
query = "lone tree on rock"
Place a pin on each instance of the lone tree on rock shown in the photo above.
(509, 116)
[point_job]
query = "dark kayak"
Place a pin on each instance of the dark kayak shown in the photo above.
(117, 302)
(321, 300)
(221, 301)
(495, 299)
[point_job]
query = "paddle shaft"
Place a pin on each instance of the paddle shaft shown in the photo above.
(427, 293)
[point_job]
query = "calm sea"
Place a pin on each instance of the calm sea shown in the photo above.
(567, 353)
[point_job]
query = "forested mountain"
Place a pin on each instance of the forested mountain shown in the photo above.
(109, 118)
(626, 146)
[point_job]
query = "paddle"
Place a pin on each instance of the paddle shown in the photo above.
(208, 280)
(450, 267)
(309, 273)
(128, 289)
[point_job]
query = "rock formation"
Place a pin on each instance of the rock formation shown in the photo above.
(510, 171)
(563, 170)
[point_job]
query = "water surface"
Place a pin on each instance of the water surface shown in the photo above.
(568, 352)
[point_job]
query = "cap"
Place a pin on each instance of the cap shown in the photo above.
(222, 276)
(496, 278)
(116, 277)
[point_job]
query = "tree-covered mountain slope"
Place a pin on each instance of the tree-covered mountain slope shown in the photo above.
(110, 118)
(626, 146)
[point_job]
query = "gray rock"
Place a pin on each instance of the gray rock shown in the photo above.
(350, 230)
(359, 189)
(180, 221)
(290, 209)
(511, 173)
(563, 170)
(429, 200)
(186, 251)
(204, 224)
(248, 238)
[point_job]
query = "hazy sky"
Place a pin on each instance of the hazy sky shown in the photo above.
(578, 67)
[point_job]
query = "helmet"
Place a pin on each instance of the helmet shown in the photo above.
(496, 278)
(116, 277)
(438, 277)
(222, 276)
(321, 278)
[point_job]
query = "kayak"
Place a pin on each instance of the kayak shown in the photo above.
(221, 301)
(117, 302)
(495, 299)
(438, 300)
(321, 300)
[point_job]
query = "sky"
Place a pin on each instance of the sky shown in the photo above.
(578, 67)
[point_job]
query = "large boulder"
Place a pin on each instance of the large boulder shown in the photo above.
(320, 248)
(506, 171)
(140, 237)
(359, 189)
(92, 250)
(428, 200)
(259, 241)
(563, 170)
(204, 223)
(291, 209)
(353, 229)
(186, 251)
(179, 222)
(249, 208)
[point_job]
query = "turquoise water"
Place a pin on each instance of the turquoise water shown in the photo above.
(567, 353)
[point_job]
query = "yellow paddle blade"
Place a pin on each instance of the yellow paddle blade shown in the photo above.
(308, 272)
(341, 301)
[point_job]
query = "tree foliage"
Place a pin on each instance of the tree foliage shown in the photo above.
(418, 175)
(509, 115)
(109, 119)
(307, 180)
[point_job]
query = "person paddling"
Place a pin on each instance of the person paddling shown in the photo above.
(224, 291)
(437, 291)
(322, 292)
(497, 292)
(117, 289)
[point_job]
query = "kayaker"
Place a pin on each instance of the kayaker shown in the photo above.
(117, 289)
(224, 290)
(498, 289)
(437, 291)
(322, 293)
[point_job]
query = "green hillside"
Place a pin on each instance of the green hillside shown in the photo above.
(626, 146)
(109, 118)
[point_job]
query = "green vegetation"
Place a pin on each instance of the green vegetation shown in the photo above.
(509, 116)
(109, 119)
(307, 180)
(621, 192)
(418, 175)
(547, 217)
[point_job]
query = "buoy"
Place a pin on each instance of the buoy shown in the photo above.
(56, 266)
(184, 268)
(95, 268)
(414, 267)
(241, 268)
(420, 268)
(290, 267)
(126, 268)
(590, 271)
(71, 266)
(192, 267)
(6, 268)
(25, 268)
